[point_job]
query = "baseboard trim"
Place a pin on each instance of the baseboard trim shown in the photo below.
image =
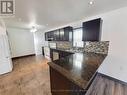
(113, 79)
(23, 56)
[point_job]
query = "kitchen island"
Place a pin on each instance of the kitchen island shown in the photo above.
(73, 74)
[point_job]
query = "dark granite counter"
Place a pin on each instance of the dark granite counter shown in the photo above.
(72, 50)
(59, 49)
(79, 67)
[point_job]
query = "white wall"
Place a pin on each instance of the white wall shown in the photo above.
(39, 38)
(21, 42)
(114, 29)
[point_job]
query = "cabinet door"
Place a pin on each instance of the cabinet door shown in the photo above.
(49, 36)
(56, 35)
(48, 33)
(60, 85)
(61, 35)
(91, 30)
(66, 34)
(46, 36)
(52, 35)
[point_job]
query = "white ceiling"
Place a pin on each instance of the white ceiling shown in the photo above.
(58, 12)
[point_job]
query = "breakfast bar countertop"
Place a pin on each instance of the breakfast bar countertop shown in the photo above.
(79, 67)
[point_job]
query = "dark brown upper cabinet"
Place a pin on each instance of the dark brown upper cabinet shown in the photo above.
(56, 35)
(66, 34)
(92, 30)
(49, 36)
(46, 36)
(63, 34)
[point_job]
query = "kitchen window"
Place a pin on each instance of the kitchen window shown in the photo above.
(77, 37)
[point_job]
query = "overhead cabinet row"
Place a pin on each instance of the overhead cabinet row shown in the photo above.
(63, 34)
(91, 32)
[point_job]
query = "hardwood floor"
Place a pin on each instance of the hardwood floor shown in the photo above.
(29, 77)
(103, 85)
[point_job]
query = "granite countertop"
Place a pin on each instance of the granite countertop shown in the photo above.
(61, 49)
(79, 67)
(71, 50)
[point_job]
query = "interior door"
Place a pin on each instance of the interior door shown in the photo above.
(5, 58)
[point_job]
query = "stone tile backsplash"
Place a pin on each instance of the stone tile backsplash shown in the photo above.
(64, 45)
(97, 47)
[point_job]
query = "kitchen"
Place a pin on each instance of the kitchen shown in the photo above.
(105, 70)
(85, 56)
(75, 57)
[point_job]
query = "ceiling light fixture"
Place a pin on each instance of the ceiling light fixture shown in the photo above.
(33, 29)
(91, 2)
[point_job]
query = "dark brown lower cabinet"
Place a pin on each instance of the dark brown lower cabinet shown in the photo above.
(60, 85)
